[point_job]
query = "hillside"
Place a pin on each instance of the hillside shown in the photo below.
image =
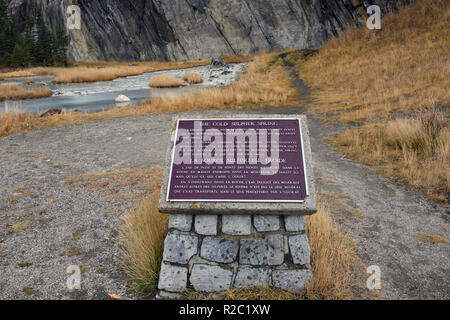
(391, 89)
(196, 29)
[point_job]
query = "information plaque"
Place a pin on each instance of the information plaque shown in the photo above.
(238, 160)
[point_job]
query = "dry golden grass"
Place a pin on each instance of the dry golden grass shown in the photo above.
(390, 81)
(18, 213)
(354, 212)
(366, 75)
(15, 74)
(143, 237)
(144, 229)
(260, 85)
(338, 200)
(431, 238)
(165, 81)
(237, 59)
(19, 189)
(334, 263)
(405, 150)
(333, 258)
(72, 252)
(23, 224)
(192, 78)
(139, 179)
(102, 71)
(14, 92)
(21, 192)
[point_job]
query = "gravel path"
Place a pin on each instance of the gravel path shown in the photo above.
(383, 218)
(391, 216)
(47, 225)
(58, 215)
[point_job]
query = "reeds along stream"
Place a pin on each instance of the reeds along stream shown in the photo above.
(98, 96)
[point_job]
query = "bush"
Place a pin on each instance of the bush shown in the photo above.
(143, 237)
(193, 78)
(165, 81)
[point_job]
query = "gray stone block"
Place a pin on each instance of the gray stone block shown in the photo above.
(267, 252)
(165, 295)
(219, 250)
(206, 225)
(182, 222)
(179, 248)
(172, 278)
(300, 250)
(247, 277)
(266, 223)
(295, 223)
(237, 225)
(294, 281)
(207, 278)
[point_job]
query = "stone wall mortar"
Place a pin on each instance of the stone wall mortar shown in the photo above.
(254, 258)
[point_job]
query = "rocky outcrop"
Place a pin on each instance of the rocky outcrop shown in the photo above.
(197, 29)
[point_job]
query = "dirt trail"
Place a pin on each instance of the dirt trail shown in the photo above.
(388, 219)
(47, 225)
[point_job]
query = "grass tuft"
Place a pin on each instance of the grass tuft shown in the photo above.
(192, 78)
(143, 237)
(431, 238)
(72, 252)
(15, 74)
(333, 258)
(28, 291)
(165, 81)
(411, 150)
(102, 71)
(24, 265)
(14, 92)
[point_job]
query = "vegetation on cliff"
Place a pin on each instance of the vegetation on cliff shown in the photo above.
(33, 46)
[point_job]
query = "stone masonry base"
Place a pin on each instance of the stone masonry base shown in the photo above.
(210, 253)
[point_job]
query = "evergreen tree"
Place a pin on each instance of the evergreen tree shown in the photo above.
(29, 45)
(45, 45)
(16, 59)
(34, 45)
(7, 36)
(61, 44)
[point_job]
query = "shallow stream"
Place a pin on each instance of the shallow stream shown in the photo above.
(97, 96)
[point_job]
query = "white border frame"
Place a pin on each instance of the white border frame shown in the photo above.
(246, 201)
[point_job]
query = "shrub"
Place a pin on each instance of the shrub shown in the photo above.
(193, 78)
(165, 81)
(143, 237)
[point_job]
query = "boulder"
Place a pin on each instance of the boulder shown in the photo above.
(122, 98)
(218, 63)
(51, 112)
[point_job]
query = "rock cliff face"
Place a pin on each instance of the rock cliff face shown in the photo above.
(194, 29)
